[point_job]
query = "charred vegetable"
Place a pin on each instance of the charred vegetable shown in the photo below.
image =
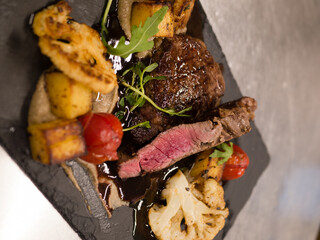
(57, 141)
(69, 99)
(142, 10)
(103, 135)
(74, 48)
(236, 164)
(201, 212)
(206, 166)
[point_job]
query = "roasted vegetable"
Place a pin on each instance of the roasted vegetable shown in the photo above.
(236, 165)
(182, 10)
(105, 102)
(103, 134)
(201, 213)
(56, 141)
(206, 167)
(69, 99)
(142, 10)
(74, 48)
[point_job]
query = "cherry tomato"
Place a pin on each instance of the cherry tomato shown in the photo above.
(236, 164)
(103, 135)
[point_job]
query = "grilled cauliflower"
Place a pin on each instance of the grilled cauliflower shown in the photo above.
(74, 48)
(190, 212)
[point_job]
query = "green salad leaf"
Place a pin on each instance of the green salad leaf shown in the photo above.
(223, 152)
(140, 36)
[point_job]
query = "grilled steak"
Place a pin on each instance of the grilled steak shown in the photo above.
(230, 120)
(193, 78)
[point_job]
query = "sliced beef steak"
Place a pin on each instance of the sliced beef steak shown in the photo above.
(193, 78)
(230, 120)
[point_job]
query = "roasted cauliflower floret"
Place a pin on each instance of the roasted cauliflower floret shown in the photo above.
(74, 48)
(189, 213)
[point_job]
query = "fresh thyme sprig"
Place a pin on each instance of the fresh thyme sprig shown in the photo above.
(171, 112)
(137, 97)
(145, 124)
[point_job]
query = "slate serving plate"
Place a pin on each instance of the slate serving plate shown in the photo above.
(21, 65)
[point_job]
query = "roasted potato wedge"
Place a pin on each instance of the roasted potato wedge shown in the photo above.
(68, 98)
(142, 10)
(57, 141)
(74, 48)
(206, 167)
(182, 10)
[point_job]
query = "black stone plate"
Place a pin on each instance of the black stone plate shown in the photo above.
(22, 64)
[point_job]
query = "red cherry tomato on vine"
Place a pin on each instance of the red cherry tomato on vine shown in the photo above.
(103, 134)
(236, 164)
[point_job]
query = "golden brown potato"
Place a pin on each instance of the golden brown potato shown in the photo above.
(142, 10)
(182, 10)
(74, 48)
(206, 167)
(57, 141)
(68, 98)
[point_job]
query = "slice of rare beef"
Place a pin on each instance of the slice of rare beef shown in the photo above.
(193, 78)
(230, 120)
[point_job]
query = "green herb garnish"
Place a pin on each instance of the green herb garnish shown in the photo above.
(145, 124)
(104, 31)
(137, 97)
(139, 42)
(223, 152)
(140, 35)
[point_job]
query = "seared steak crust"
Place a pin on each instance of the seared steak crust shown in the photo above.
(193, 78)
(230, 120)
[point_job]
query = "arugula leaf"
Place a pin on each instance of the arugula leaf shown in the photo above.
(223, 152)
(139, 36)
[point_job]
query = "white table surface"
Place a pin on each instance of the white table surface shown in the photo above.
(273, 49)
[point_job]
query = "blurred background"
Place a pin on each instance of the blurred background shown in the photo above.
(273, 50)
